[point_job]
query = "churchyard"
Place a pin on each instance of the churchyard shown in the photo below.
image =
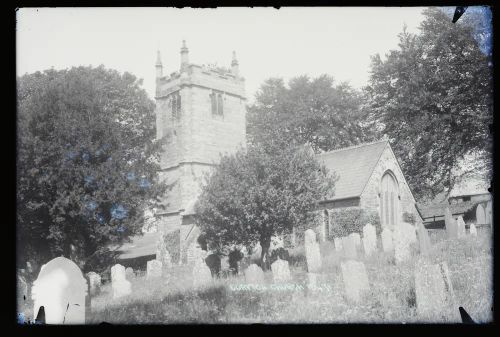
(414, 280)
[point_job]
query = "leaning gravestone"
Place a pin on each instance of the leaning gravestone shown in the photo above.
(355, 280)
(369, 239)
(94, 282)
(472, 230)
(154, 269)
(460, 227)
(434, 293)
(201, 274)
(254, 275)
(402, 242)
(61, 289)
(480, 215)
(313, 255)
(387, 241)
(121, 287)
(423, 239)
(349, 244)
(451, 224)
(281, 271)
(338, 244)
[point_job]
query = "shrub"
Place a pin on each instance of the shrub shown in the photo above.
(173, 244)
(351, 220)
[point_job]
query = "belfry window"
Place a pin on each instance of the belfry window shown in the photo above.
(217, 102)
(175, 104)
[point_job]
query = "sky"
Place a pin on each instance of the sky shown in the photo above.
(268, 42)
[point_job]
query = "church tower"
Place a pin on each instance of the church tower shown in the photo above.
(200, 111)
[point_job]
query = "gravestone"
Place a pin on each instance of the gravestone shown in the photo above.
(121, 287)
(489, 213)
(201, 274)
(94, 282)
(423, 239)
(281, 271)
(472, 230)
(355, 280)
(451, 224)
(480, 215)
(357, 239)
(349, 245)
(402, 240)
(387, 241)
(460, 227)
(61, 289)
(434, 293)
(254, 275)
(256, 252)
(338, 244)
(162, 253)
(154, 269)
(313, 255)
(369, 239)
(129, 273)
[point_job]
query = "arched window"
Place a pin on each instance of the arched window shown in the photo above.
(389, 200)
(175, 105)
(217, 103)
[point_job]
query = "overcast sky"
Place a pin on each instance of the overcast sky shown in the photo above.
(268, 42)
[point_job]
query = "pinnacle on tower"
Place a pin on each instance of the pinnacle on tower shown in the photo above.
(234, 65)
(184, 56)
(158, 58)
(158, 65)
(235, 61)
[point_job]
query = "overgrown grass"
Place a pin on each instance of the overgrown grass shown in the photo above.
(391, 298)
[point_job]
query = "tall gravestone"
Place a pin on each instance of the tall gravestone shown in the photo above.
(489, 213)
(94, 282)
(403, 238)
(434, 293)
(254, 275)
(61, 289)
(349, 245)
(460, 227)
(338, 244)
(472, 230)
(357, 239)
(281, 271)
(480, 215)
(121, 287)
(154, 269)
(369, 239)
(451, 224)
(313, 255)
(387, 240)
(423, 239)
(355, 280)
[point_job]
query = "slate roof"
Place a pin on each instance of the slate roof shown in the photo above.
(141, 245)
(353, 165)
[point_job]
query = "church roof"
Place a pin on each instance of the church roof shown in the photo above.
(353, 166)
(141, 245)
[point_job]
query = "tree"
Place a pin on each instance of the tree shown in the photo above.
(309, 111)
(433, 98)
(87, 163)
(254, 195)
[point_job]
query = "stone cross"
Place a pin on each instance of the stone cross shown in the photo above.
(423, 239)
(472, 230)
(349, 245)
(369, 239)
(281, 271)
(434, 293)
(451, 224)
(460, 227)
(313, 255)
(338, 244)
(94, 282)
(61, 289)
(387, 242)
(355, 280)
(154, 269)
(254, 275)
(121, 287)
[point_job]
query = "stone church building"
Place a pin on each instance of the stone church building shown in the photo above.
(201, 112)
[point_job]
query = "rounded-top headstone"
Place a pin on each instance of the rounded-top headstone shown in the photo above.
(480, 215)
(61, 289)
(310, 236)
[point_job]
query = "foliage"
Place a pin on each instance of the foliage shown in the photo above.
(309, 111)
(254, 195)
(409, 218)
(433, 98)
(86, 166)
(352, 220)
(173, 244)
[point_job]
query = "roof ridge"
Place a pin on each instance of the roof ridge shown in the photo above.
(353, 147)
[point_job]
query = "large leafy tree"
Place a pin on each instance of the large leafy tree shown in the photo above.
(87, 163)
(256, 194)
(316, 111)
(433, 98)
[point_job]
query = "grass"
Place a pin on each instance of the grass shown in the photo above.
(391, 298)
